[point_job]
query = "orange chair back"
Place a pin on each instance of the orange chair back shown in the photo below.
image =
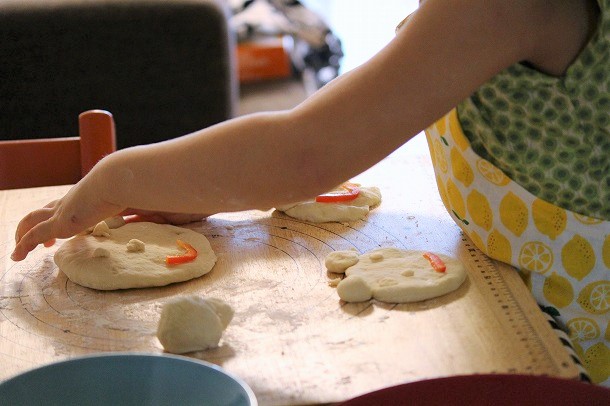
(57, 161)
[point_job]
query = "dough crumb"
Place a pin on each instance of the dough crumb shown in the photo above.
(101, 253)
(376, 256)
(101, 229)
(193, 323)
(383, 282)
(135, 245)
(334, 282)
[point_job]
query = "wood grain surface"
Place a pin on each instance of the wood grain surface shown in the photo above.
(292, 340)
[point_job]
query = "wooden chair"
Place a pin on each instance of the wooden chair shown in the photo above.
(57, 161)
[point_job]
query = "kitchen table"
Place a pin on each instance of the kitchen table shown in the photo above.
(291, 339)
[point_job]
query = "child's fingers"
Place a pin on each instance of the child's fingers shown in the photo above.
(31, 220)
(30, 240)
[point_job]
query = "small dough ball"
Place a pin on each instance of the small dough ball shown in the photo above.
(339, 261)
(192, 323)
(376, 256)
(334, 282)
(135, 245)
(101, 229)
(354, 289)
(101, 253)
(109, 223)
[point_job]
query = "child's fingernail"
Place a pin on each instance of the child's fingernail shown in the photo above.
(14, 256)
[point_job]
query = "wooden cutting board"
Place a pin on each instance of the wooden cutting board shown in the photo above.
(292, 340)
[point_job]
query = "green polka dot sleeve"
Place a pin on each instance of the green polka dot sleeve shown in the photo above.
(551, 135)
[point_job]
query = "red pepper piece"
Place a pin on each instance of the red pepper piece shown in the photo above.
(435, 261)
(346, 192)
(188, 256)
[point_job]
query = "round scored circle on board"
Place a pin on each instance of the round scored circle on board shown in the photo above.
(265, 265)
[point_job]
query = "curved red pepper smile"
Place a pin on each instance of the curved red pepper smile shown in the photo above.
(188, 256)
(346, 192)
(435, 261)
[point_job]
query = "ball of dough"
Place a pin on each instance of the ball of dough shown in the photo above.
(192, 323)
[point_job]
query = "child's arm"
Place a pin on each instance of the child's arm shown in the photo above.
(440, 56)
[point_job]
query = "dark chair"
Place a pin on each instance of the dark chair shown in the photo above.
(163, 68)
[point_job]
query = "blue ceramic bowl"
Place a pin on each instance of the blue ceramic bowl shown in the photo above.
(127, 379)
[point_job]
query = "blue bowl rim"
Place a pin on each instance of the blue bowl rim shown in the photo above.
(123, 354)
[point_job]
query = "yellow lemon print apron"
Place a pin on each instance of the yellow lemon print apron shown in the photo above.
(564, 257)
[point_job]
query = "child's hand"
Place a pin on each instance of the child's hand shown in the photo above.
(44, 225)
(79, 209)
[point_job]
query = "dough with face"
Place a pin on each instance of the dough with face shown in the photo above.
(352, 210)
(132, 256)
(192, 323)
(394, 276)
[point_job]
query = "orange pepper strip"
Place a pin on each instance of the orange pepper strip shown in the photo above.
(348, 191)
(435, 261)
(188, 256)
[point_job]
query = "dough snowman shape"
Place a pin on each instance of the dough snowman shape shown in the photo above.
(192, 323)
(132, 255)
(393, 275)
(335, 211)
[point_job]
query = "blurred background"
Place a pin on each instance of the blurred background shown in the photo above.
(363, 27)
(167, 68)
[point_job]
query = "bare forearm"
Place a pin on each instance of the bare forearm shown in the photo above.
(267, 159)
(253, 162)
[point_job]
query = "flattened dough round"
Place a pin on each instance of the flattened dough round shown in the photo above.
(132, 256)
(393, 275)
(315, 212)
